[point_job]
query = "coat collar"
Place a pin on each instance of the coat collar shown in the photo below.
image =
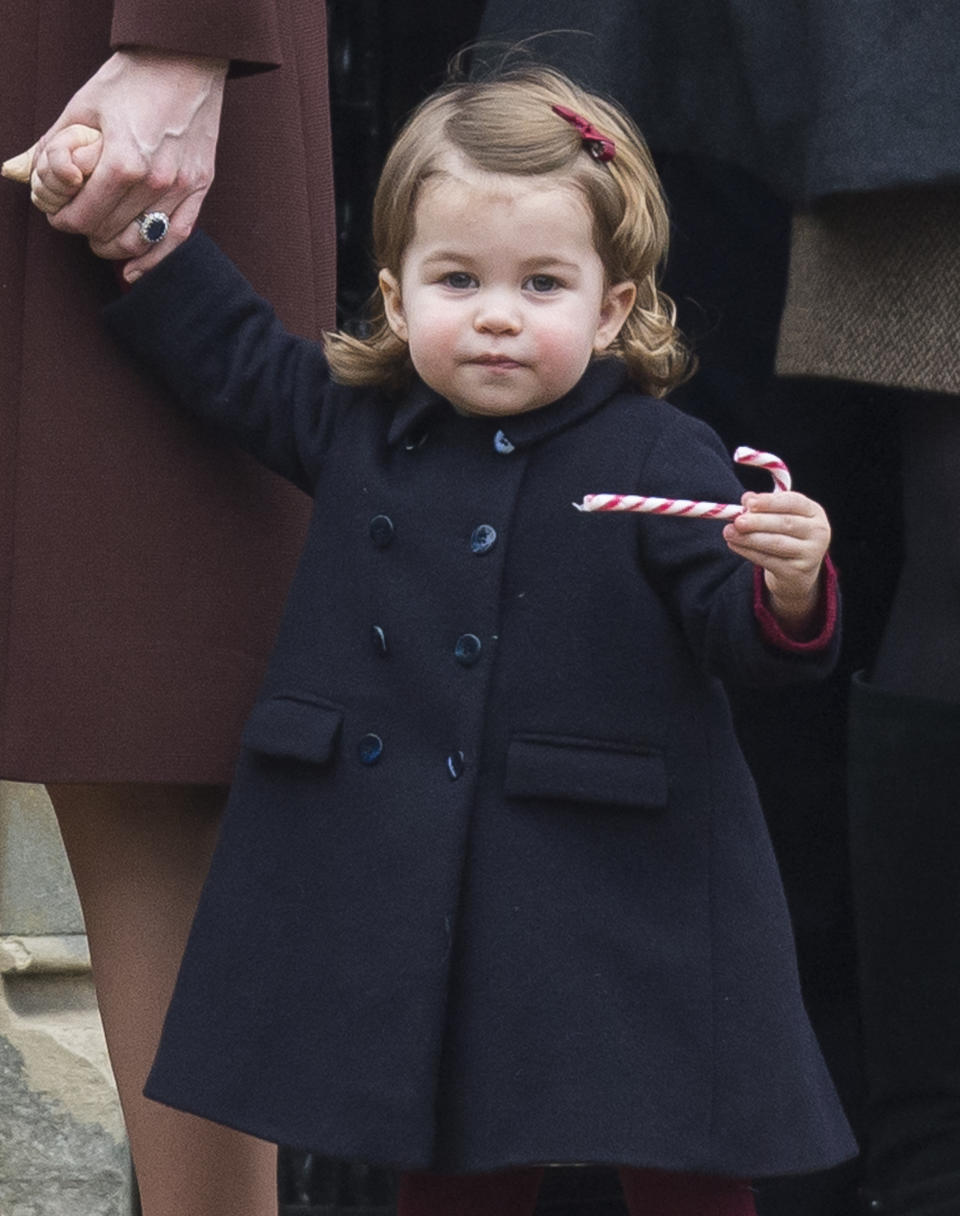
(600, 381)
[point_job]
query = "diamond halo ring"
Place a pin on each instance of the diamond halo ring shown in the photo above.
(153, 225)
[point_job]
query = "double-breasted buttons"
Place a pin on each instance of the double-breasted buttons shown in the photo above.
(379, 639)
(483, 538)
(467, 649)
(502, 444)
(381, 530)
(455, 763)
(370, 749)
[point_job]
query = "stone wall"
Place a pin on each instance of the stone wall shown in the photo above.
(63, 1150)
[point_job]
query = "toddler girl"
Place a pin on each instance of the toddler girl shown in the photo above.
(494, 890)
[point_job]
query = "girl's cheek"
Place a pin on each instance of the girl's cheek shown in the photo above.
(565, 348)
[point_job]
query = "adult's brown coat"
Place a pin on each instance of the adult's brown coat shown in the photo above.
(142, 563)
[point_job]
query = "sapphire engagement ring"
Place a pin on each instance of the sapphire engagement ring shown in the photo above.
(154, 226)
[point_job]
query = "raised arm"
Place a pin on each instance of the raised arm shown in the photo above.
(739, 616)
(196, 323)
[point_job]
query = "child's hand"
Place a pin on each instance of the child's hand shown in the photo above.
(62, 165)
(787, 534)
(159, 116)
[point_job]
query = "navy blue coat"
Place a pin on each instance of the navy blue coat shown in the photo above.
(494, 886)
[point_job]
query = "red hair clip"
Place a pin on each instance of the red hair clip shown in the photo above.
(601, 147)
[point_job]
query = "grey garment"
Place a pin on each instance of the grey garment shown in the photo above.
(811, 96)
(874, 290)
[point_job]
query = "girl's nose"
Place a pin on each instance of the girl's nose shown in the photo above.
(497, 313)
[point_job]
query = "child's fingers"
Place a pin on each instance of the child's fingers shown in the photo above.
(785, 513)
(780, 531)
(61, 164)
(57, 170)
(55, 180)
(48, 201)
(86, 141)
(780, 502)
(769, 549)
(87, 156)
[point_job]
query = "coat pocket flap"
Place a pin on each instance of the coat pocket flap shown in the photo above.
(585, 770)
(293, 727)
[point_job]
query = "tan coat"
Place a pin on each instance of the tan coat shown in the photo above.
(143, 563)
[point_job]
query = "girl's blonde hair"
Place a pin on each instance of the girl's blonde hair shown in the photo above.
(507, 125)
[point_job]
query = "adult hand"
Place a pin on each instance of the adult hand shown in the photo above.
(159, 115)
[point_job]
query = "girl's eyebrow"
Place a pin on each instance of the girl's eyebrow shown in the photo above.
(527, 265)
(554, 263)
(447, 255)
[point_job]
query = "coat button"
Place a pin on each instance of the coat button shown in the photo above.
(370, 749)
(467, 650)
(482, 538)
(381, 530)
(415, 440)
(455, 763)
(502, 444)
(379, 639)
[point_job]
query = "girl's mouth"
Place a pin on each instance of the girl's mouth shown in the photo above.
(497, 361)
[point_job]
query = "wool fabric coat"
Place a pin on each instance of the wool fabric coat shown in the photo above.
(810, 96)
(142, 564)
(494, 886)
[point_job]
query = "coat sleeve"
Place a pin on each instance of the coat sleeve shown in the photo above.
(196, 323)
(711, 591)
(244, 31)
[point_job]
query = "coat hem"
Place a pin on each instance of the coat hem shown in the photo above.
(272, 1133)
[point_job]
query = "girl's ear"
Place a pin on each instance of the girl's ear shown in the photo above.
(614, 310)
(392, 304)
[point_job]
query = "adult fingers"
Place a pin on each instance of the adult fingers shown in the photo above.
(125, 184)
(132, 246)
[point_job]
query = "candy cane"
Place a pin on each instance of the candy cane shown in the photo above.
(686, 508)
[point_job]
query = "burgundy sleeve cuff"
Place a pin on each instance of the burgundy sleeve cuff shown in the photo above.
(771, 628)
(245, 32)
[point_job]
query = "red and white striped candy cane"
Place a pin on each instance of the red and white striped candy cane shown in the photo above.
(686, 508)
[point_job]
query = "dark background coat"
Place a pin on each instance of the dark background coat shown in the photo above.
(142, 565)
(810, 96)
(494, 886)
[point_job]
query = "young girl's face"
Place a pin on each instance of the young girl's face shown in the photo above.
(502, 296)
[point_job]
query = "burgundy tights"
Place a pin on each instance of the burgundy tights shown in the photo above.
(514, 1193)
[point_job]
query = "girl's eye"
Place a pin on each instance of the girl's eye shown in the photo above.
(459, 279)
(542, 283)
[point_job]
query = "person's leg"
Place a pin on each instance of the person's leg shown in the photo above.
(139, 855)
(510, 1193)
(661, 1193)
(904, 811)
(919, 653)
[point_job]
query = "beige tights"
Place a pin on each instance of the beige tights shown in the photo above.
(139, 854)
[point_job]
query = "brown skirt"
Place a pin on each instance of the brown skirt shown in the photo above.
(874, 290)
(143, 563)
